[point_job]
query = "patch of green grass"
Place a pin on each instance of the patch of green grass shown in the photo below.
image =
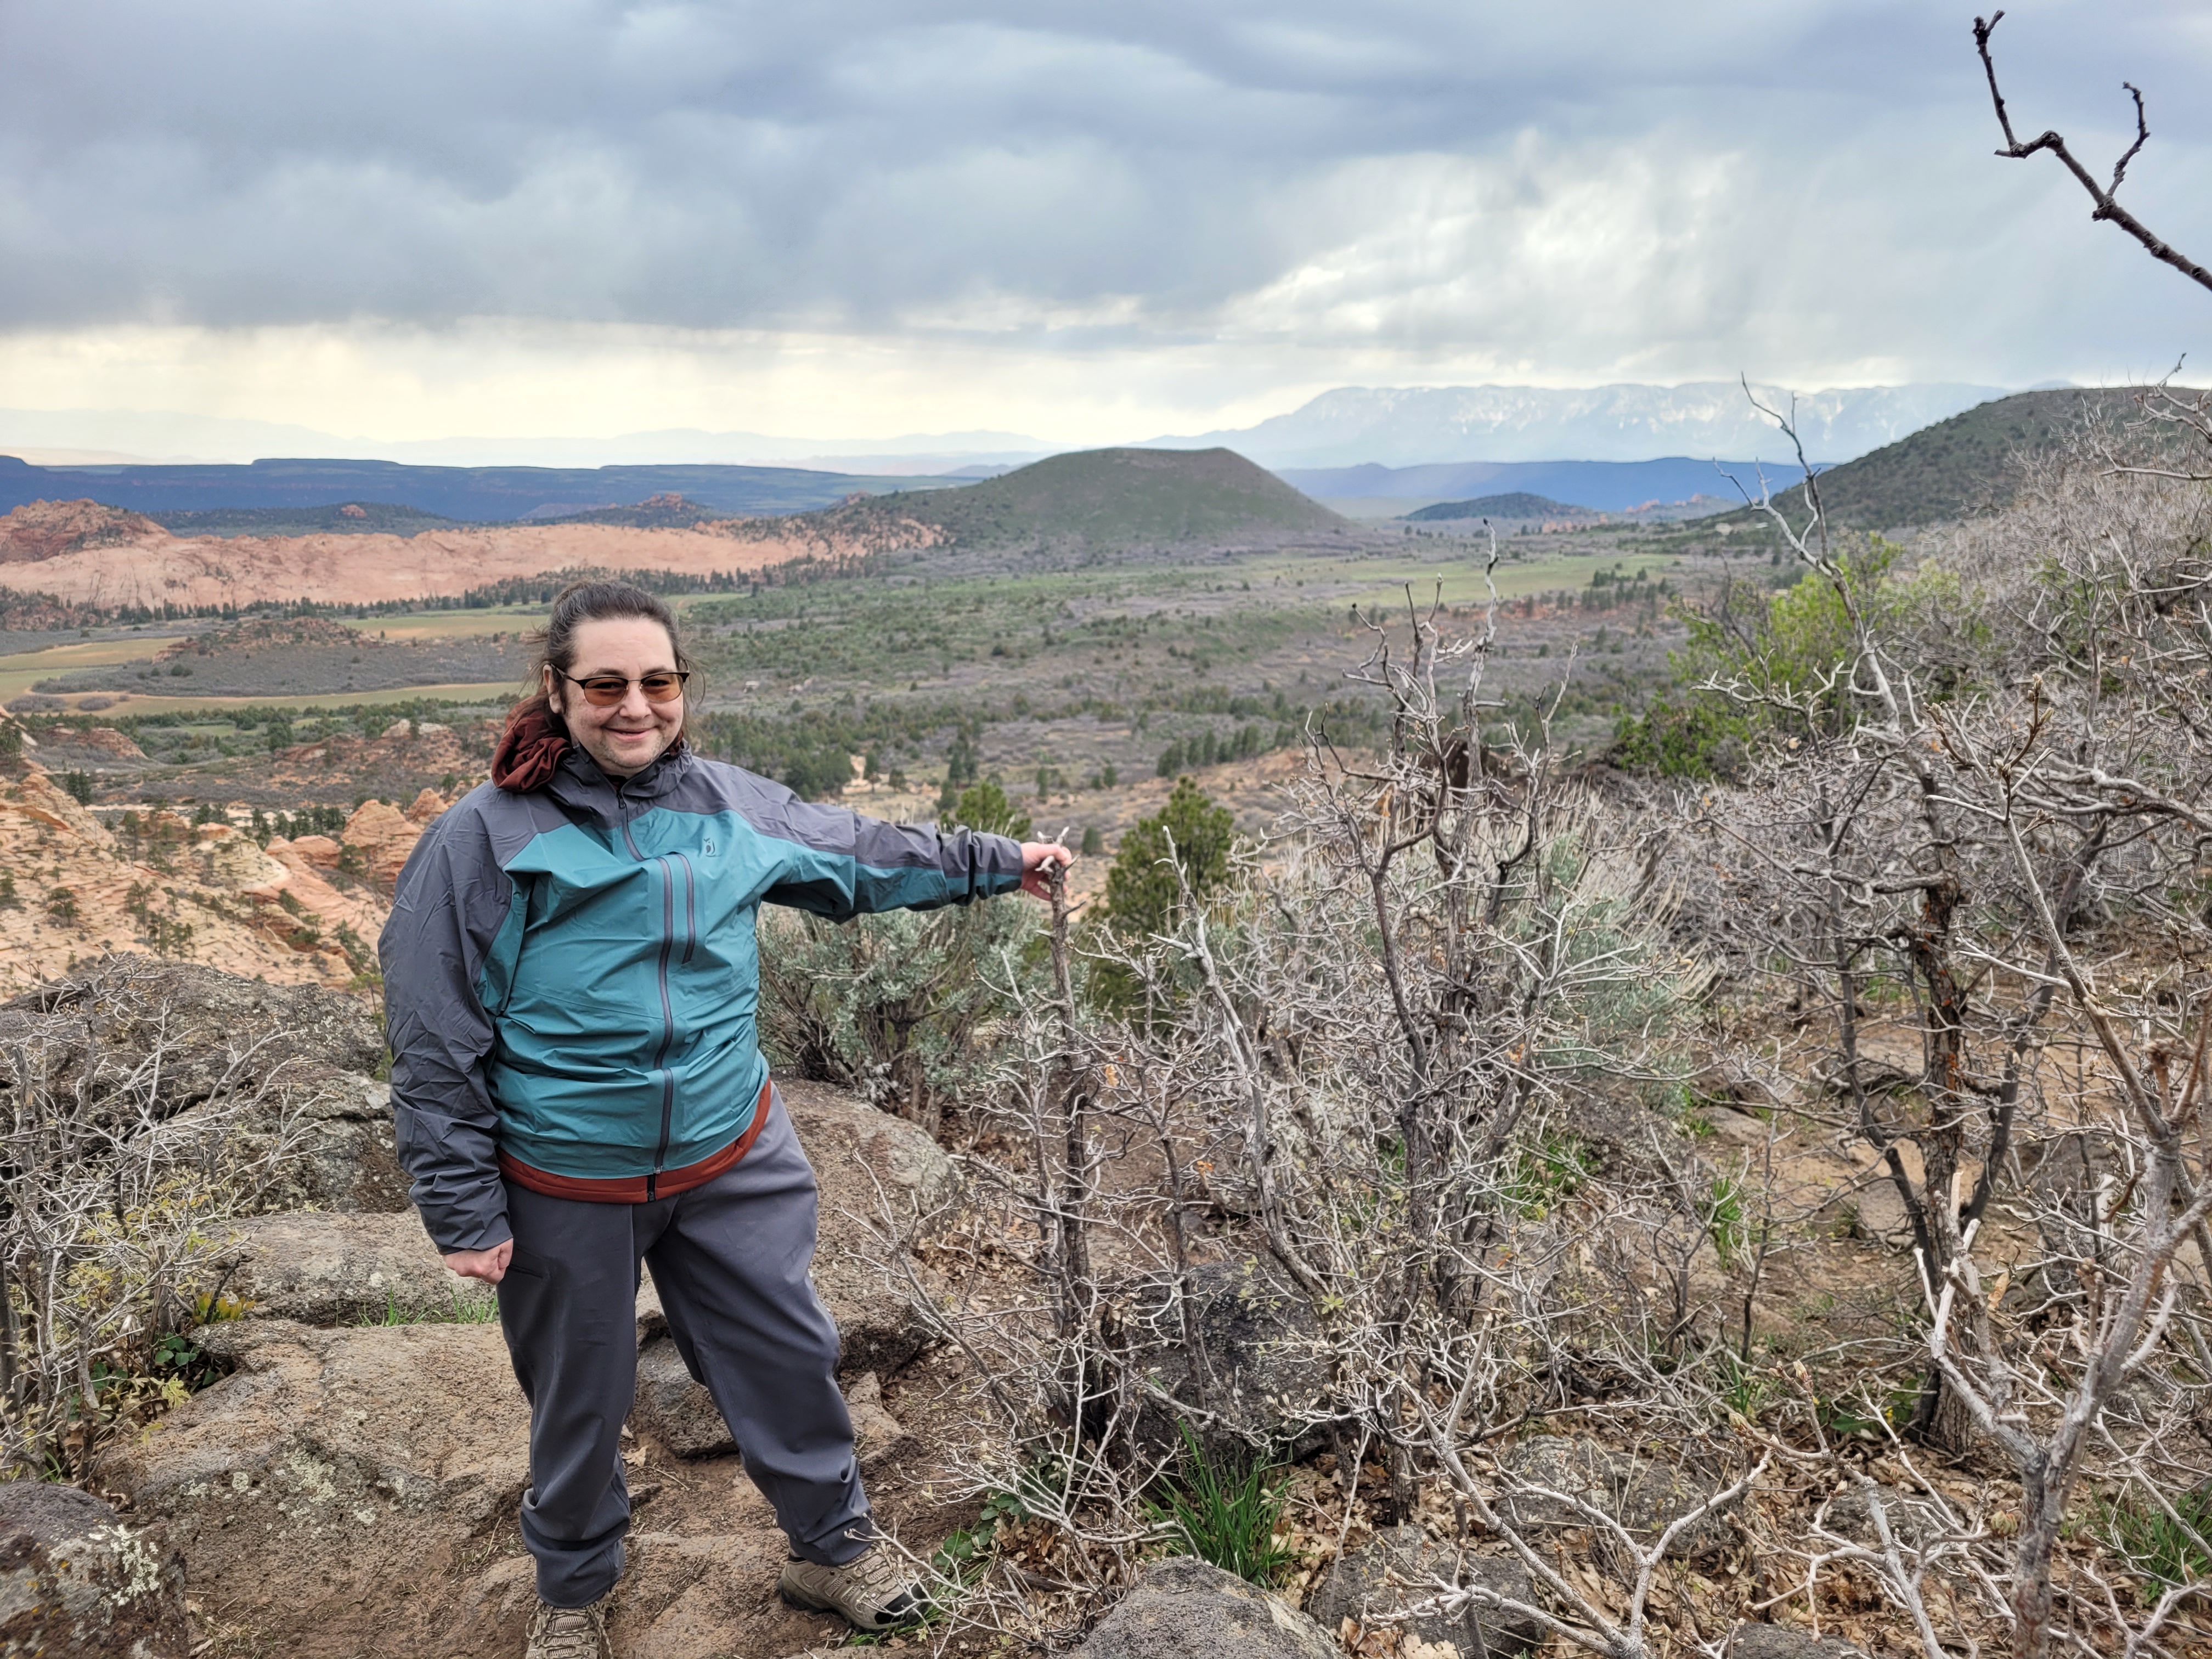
(1227, 1515)
(462, 1308)
(2163, 1550)
(1729, 1219)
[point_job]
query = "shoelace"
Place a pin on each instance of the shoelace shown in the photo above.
(571, 1636)
(884, 1577)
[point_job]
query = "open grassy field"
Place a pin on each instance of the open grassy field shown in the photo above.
(1079, 688)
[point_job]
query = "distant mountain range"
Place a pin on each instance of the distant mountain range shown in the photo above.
(1418, 426)
(486, 494)
(143, 437)
(1608, 486)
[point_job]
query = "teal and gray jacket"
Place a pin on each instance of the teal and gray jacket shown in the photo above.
(571, 979)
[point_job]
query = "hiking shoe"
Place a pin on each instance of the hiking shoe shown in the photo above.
(568, 1632)
(876, 1591)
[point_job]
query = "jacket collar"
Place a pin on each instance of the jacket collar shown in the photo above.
(578, 784)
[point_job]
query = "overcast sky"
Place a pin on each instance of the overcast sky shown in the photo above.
(1089, 222)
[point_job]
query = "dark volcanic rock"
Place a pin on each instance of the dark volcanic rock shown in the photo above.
(673, 1408)
(1185, 1609)
(74, 1579)
(1645, 1497)
(1263, 1366)
(1749, 1641)
(1360, 1587)
(865, 1160)
(223, 1033)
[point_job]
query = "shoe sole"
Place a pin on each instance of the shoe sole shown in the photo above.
(809, 1603)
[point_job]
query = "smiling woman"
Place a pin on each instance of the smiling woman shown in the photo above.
(571, 982)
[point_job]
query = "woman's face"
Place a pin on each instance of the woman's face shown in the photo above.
(629, 736)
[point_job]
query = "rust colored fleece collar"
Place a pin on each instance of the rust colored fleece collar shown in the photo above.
(529, 748)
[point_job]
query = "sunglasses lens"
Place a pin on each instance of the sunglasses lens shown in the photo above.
(605, 693)
(661, 688)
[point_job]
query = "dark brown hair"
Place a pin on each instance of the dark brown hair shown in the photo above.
(553, 646)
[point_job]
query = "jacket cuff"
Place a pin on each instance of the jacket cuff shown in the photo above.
(455, 1227)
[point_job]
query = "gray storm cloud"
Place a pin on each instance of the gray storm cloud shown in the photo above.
(1601, 187)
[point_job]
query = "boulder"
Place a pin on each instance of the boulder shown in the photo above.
(1749, 1641)
(879, 1438)
(318, 851)
(1265, 1372)
(222, 1032)
(1914, 1518)
(1182, 1608)
(325, 1486)
(1382, 1578)
(336, 1269)
(382, 836)
(1645, 1497)
(74, 1579)
(867, 1162)
(347, 1159)
(673, 1407)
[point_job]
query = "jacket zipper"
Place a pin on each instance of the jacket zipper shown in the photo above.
(690, 907)
(667, 1008)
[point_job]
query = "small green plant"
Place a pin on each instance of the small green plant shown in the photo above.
(62, 905)
(1227, 1516)
(1742, 1387)
(959, 1557)
(77, 786)
(1728, 1218)
(2164, 1550)
(460, 1309)
(1545, 1172)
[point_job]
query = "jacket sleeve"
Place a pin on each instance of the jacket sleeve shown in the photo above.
(838, 864)
(452, 903)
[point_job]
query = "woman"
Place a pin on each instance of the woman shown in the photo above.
(570, 984)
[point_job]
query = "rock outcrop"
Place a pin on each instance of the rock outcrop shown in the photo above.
(866, 1160)
(1184, 1609)
(75, 1578)
(1645, 1496)
(1751, 1641)
(334, 1472)
(1397, 1569)
(1263, 1368)
(323, 1269)
(222, 1033)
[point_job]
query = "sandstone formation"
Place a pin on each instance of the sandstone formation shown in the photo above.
(87, 554)
(73, 890)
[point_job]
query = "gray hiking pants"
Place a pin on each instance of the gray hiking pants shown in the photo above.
(730, 1260)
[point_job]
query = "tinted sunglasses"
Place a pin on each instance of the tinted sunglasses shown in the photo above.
(605, 691)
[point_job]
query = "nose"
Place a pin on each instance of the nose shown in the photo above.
(634, 705)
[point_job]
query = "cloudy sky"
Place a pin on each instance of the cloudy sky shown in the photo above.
(1089, 222)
